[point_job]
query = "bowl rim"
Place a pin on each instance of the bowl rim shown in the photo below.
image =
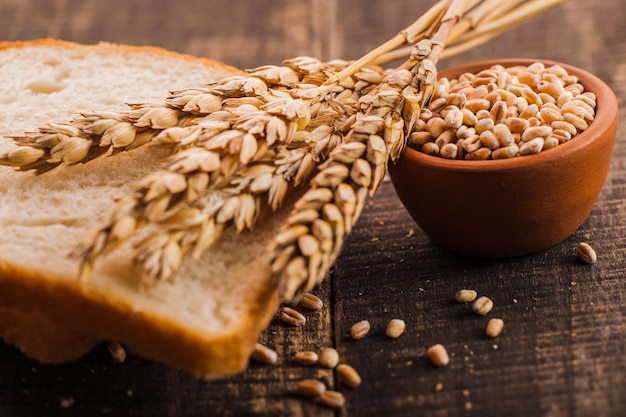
(606, 101)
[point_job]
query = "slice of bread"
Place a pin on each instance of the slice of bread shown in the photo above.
(208, 318)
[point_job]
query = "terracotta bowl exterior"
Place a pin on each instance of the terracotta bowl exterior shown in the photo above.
(516, 206)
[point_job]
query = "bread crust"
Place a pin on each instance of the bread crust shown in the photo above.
(120, 47)
(76, 311)
(43, 338)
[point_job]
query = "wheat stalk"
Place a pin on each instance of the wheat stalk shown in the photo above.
(242, 143)
(481, 22)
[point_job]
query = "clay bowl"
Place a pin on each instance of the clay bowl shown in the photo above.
(515, 206)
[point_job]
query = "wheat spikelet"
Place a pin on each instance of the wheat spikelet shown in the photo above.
(94, 134)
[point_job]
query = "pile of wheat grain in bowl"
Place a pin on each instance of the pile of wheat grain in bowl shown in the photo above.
(503, 112)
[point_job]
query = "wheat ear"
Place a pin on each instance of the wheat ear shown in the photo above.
(92, 135)
(307, 247)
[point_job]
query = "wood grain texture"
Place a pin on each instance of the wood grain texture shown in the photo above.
(562, 350)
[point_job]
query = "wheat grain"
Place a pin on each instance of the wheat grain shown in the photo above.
(264, 354)
(117, 351)
(586, 253)
(524, 104)
(395, 328)
(482, 305)
(465, 296)
(494, 327)
(332, 399)
(310, 387)
(360, 329)
(348, 376)
(438, 355)
(329, 357)
(306, 357)
(292, 317)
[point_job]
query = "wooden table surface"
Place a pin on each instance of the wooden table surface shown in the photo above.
(562, 351)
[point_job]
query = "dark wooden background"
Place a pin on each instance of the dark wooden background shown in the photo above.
(562, 352)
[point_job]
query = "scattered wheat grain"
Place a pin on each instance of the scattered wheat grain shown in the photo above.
(395, 328)
(465, 296)
(482, 305)
(310, 387)
(586, 253)
(292, 316)
(117, 351)
(438, 355)
(332, 399)
(360, 329)
(329, 357)
(494, 327)
(264, 354)
(347, 375)
(310, 301)
(306, 357)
